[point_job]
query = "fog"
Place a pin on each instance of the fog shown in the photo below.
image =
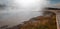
(14, 12)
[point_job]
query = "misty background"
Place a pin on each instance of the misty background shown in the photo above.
(14, 12)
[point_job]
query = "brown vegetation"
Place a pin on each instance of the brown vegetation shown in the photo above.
(41, 22)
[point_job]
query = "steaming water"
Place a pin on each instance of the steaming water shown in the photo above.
(17, 11)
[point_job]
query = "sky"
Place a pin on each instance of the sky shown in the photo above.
(54, 1)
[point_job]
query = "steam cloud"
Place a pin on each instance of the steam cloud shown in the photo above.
(18, 11)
